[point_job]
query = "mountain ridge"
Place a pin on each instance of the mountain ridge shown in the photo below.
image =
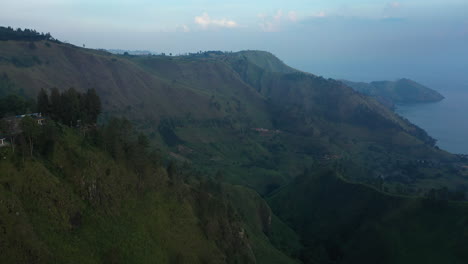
(207, 101)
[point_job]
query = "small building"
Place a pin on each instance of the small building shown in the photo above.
(36, 116)
(3, 142)
(13, 124)
(40, 121)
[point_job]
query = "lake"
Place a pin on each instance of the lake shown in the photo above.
(446, 121)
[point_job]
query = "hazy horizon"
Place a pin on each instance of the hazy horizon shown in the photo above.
(361, 41)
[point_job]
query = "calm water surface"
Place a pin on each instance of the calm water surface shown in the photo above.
(446, 121)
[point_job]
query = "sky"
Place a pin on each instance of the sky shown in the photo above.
(360, 40)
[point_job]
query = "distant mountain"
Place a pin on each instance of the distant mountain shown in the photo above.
(403, 91)
(130, 52)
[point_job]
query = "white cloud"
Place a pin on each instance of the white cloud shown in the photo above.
(279, 15)
(275, 22)
(206, 21)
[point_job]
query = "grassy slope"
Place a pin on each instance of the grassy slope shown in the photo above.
(124, 86)
(264, 226)
(341, 222)
(82, 206)
(213, 102)
(332, 119)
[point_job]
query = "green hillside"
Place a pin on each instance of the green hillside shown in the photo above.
(208, 108)
(341, 222)
(81, 203)
(264, 60)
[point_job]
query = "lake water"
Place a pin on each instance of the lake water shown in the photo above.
(446, 121)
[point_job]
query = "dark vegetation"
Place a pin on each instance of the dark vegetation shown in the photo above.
(8, 33)
(15, 104)
(341, 222)
(70, 107)
(92, 197)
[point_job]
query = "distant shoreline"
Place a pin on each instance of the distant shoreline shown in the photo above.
(444, 120)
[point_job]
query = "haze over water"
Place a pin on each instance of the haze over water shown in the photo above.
(446, 121)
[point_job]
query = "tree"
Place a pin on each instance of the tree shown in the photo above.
(8, 128)
(31, 131)
(70, 100)
(70, 106)
(49, 135)
(8, 33)
(173, 173)
(43, 102)
(93, 106)
(116, 137)
(55, 104)
(143, 141)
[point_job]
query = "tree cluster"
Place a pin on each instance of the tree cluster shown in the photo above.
(8, 33)
(70, 107)
(32, 138)
(126, 146)
(14, 105)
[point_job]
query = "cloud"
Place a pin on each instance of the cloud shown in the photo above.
(393, 5)
(275, 22)
(292, 15)
(279, 15)
(183, 28)
(206, 21)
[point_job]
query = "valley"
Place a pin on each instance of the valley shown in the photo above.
(241, 159)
